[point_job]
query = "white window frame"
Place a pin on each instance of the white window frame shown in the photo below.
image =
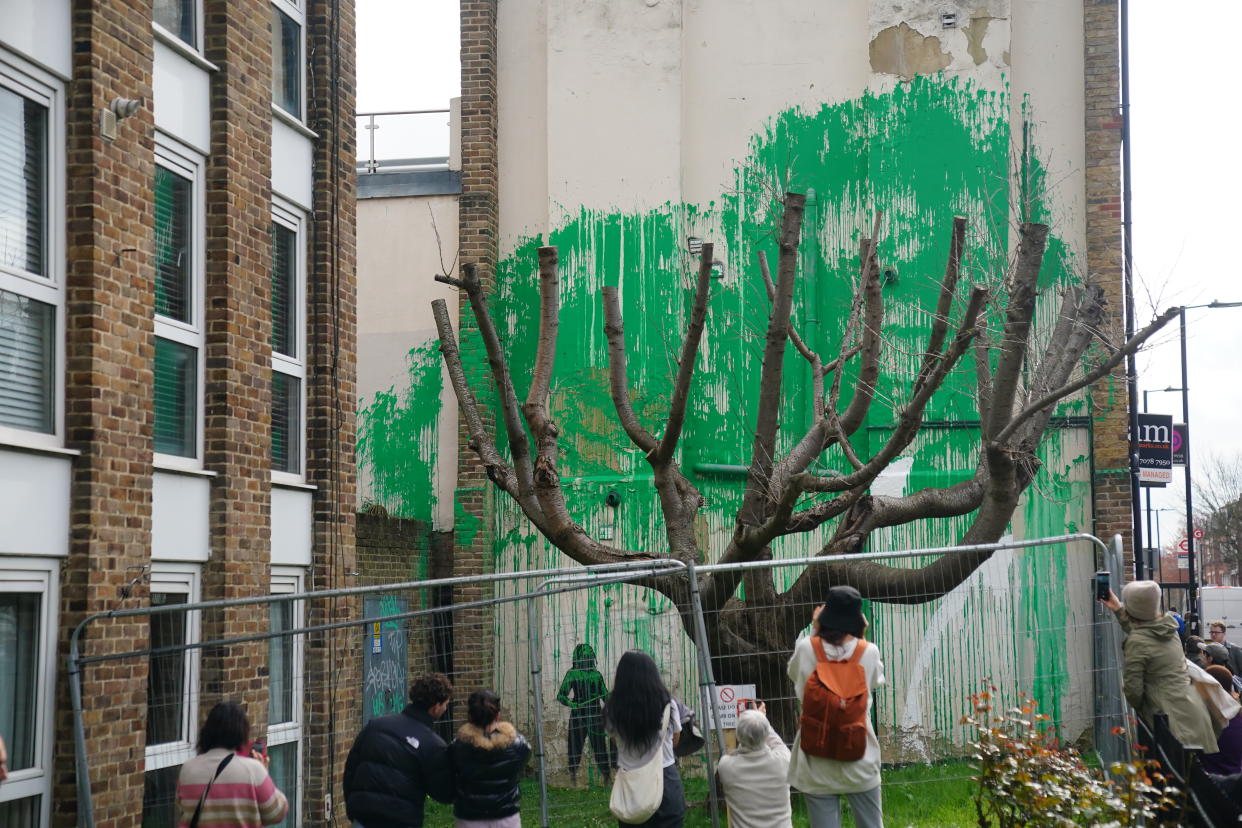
(184, 578)
(181, 159)
(41, 575)
(291, 580)
(296, 11)
(172, 39)
(289, 216)
(30, 82)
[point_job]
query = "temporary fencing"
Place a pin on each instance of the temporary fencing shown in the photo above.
(313, 667)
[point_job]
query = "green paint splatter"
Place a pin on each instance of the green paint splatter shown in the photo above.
(397, 439)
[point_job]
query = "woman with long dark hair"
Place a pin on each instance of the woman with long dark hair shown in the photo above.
(487, 756)
(220, 786)
(635, 715)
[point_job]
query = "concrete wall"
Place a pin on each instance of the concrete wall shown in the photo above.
(407, 443)
(623, 128)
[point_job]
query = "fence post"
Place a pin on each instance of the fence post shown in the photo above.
(1109, 700)
(707, 682)
(536, 682)
(85, 807)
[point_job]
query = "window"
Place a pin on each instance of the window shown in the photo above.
(284, 707)
(178, 305)
(288, 342)
(179, 18)
(28, 598)
(31, 280)
(171, 675)
(287, 19)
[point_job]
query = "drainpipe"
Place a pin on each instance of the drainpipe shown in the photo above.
(1127, 217)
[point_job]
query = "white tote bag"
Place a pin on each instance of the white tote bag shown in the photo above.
(637, 793)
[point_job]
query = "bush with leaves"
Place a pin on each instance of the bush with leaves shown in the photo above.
(1027, 778)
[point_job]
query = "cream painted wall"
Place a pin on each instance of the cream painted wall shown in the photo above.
(398, 255)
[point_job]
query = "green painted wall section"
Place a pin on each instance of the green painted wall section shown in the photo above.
(924, 152)
(397, 438)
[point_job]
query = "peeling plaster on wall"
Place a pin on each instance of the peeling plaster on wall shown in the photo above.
(976, 30)
(900, 50)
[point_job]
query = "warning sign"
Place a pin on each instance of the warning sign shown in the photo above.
(728, 697)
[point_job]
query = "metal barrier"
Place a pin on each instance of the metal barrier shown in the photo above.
(1022, 637)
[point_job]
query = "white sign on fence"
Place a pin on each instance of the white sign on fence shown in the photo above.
(728, 698)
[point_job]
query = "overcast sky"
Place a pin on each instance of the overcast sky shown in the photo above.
(1185, 162)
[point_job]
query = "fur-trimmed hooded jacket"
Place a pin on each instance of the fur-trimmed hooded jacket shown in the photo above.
(486, 770)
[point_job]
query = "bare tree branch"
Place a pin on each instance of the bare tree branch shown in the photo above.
(1018, 313)
(618, 379)
(768, 419)
(689, 352)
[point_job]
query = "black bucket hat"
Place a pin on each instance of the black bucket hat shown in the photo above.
(843, 611)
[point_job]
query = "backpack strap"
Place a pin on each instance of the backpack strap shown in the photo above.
(818, 646)
(199, 810)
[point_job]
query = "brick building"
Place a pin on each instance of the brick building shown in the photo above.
(177, 358)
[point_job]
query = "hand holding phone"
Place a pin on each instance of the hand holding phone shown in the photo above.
(259, 751)
(1102, 589)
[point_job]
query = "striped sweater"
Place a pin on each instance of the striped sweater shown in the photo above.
(243, 796)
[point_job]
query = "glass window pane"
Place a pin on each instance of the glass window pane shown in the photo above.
(178, 17)
(284, 291)
(286, 423)
(19, 670)
(23, 183)
(176, 398)
(166, 674)
(21, 813)
(27, 362)
(173, 212)
(284, 772)
(280, 665)
(286, 63)
(159, 797)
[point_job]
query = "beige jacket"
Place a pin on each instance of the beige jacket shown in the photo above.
(1155, 679)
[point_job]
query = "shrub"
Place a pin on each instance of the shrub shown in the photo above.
(1027, 778)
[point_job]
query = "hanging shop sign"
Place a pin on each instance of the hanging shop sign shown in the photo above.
(1154, 445)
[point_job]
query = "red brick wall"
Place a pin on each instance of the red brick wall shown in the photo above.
(1109, 409)
(109, 354)
(478, 227)
(334, 713)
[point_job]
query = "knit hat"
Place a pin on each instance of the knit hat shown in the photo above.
(1141, 599)
(1219, 654)
(843, 611)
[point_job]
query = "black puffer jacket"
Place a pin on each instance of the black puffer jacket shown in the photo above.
(486, 770)
(395, 763)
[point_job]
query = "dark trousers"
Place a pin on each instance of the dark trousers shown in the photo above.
(584, 724)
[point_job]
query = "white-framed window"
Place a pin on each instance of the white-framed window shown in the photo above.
(288, 342)
(288, 51)
(29, 598)
(179, 240)
(180, 19)
(285, 688)
(32, 205)
(172, 688)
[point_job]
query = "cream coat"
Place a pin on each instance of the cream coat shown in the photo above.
(811, 774)
(1155, 679)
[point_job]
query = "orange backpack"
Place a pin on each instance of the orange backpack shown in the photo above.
(834, 707)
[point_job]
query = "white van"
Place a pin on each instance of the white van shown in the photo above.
(1221, 603)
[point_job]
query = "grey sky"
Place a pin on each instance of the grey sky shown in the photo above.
(1185, 166)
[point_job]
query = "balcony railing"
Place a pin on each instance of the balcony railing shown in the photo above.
(416, 139)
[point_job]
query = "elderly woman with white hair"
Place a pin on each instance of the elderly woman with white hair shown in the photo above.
(1154, 672)
(753, 776)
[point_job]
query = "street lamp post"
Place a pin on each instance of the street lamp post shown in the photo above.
(1151, 544)
(1190, 524)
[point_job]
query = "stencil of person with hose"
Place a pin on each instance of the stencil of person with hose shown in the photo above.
(583, 692)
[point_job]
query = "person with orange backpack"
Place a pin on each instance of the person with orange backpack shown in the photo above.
(836, 752)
